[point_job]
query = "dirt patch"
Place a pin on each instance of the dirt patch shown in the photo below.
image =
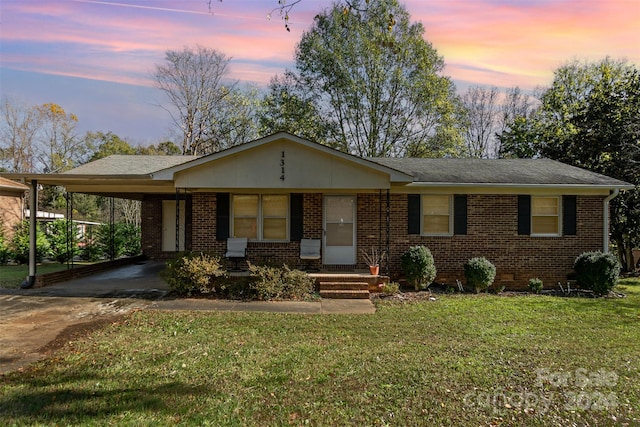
(32, 328)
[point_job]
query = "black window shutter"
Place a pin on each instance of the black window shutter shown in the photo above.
(460, 214)
(569, 215)
(524, 215)
(296, 216)
(222, 216)
(413, 209)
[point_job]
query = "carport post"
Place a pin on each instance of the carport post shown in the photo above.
(33, 214)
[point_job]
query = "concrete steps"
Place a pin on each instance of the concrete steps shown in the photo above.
(344, 290)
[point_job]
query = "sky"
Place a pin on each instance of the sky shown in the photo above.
(95, 58)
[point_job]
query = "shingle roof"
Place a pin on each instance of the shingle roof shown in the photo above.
(121, 164)
(496, 171)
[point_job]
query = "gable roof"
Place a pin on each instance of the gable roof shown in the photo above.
(498, 172)
(395, 174)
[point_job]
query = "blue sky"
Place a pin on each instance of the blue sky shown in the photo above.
(95, 57)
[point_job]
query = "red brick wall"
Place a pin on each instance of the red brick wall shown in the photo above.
(492, 232)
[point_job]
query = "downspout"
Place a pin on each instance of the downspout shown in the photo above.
(612, 196)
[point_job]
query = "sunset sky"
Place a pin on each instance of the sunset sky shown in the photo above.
(95, 58)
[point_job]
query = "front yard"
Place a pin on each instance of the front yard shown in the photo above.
(459, 360)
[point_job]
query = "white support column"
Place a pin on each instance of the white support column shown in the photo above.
(33, 216)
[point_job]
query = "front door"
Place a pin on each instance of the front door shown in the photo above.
(169, 225)
(340, 230)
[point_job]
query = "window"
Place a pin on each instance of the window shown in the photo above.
(260, 217)
(436, 214)
(545, 216)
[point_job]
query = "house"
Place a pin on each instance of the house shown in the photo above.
(530, 217)
(11, 205)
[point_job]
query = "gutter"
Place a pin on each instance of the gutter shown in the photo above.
(605, 237)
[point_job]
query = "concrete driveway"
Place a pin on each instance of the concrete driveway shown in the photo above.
(36, 322)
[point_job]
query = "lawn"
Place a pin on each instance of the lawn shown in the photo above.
(12, 275)
(462, 360)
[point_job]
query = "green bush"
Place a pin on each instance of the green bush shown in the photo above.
(535, 285)
(20, 244)
(480, 273)
(62, 237)
(193, 273)
(119, 239)
(5, 251)
(418, 267)
(597, 271)
(390, 288)
(270, 282)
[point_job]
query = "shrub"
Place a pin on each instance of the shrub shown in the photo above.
(597, 271)
(20, 244)
(480, 273)
(63, 241)
(5, 251)
(390, 288)
(119, 239)
(418, 267)
(280, 282)
(193, 273)
(535, 285)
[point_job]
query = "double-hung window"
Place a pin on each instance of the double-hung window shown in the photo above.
(437, 215)
(545, 216)
(260, 216)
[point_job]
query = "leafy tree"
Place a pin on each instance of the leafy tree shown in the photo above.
(286, 108)
(377, 82)
(166, 148)
(589, 118)
(106, 144)
(119, 239)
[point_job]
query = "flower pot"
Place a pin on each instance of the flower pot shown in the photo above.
(374, 270)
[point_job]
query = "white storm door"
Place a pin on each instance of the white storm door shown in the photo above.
(169, 225)
(340, 230)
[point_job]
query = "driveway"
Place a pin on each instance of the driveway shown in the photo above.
(36, 322)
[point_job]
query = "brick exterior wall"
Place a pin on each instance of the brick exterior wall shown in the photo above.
(492, 232)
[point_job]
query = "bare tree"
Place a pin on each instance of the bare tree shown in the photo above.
(193, 81)
(481, 106)
(18, 128)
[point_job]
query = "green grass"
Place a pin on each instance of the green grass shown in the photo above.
(12, 275)
(463, 360)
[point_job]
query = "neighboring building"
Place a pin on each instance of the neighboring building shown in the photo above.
(11, 205)
(531, 218)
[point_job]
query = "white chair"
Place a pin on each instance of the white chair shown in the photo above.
(236, 250)
(309, 251)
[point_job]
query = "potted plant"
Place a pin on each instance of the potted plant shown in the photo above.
(373, 258)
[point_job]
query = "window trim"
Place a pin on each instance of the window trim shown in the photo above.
(450, 231)
(558, 216)
(260, 217)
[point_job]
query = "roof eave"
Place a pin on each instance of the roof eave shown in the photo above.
(621, 186)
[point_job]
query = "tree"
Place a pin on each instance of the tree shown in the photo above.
(376, 81)
(18, 129)
(60, 149)
(192, 79)
(106, 144)
(589, 118)
(481, 108)
(285, 108)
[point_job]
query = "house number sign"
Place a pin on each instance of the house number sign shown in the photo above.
(282, 166)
